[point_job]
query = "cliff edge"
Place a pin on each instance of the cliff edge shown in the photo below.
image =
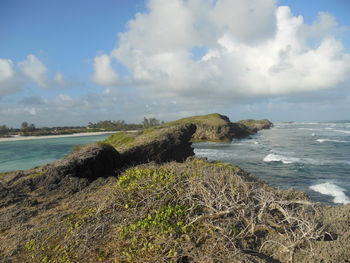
(147, 199)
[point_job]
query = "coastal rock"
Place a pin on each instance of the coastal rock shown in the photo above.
(90, 162)
(162, 145)
(256, 125)
(218, 128)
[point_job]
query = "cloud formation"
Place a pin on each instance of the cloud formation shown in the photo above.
(9, 80)
(104, 75)
(253, 49)
(35, 70)
(32, 69)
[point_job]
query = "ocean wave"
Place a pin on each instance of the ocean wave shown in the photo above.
(329, 140)
(333, 190)
(285, 159)
(342, 131)
(310, 129)
(280, 158)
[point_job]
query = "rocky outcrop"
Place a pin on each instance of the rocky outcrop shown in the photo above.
(90, 162)
(75, 210)
(213, 133)
(163, 145)
(256, 125)
(218, 128)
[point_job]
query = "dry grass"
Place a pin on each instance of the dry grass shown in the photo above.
(177, 212)
(227, 215)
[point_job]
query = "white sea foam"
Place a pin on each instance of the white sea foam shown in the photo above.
(313, 134)
(329, 140)
(342, 131)
(328, 128)
(309, 129)
(280, 158)
(309, 123)
(333, 190)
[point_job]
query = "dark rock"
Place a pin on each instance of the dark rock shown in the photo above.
(169, 144)
(90, 162)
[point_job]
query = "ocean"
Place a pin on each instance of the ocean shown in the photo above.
(26, 154)
(311, 157)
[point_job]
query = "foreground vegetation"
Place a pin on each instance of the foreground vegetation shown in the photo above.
(194, 211)
(138, 205)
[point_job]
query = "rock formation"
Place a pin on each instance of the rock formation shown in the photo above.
(163, 145)
(130, 203)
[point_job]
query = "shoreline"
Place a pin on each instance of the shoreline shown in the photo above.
(25, 138)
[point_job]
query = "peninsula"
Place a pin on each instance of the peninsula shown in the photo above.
(144, 197)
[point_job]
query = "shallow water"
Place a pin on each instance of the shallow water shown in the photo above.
(20, 155)
(312, 157)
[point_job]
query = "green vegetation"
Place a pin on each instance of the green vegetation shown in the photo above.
(36, 174)
(120, 139)
(194, 211)
(29, 129)
(4, 130)
(119, 125)
(124, 140)
(256, 124)
(136, 178)
(146, 237)
(177, 211)
(214, 119)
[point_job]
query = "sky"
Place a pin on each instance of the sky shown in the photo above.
(66, 62)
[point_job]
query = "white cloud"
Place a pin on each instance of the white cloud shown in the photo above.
(254, 49)
(34, 69)
(9, 80)
(104, 73)
(246, 20)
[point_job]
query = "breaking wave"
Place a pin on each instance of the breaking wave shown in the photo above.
(329, 140)
(342, 131)
(333, 190)
(280, 158)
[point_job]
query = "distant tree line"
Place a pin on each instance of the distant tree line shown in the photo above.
(121, 125)
(29, 129)
(4, 130)
(147, 123)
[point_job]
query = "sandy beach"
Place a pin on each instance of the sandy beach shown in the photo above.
(24, 138)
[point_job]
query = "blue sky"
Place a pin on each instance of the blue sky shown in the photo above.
(70, 62)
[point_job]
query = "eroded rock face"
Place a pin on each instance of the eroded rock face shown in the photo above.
(170, 144)
(219, 133)
(256, 125)
(90, 162)
(226, 131)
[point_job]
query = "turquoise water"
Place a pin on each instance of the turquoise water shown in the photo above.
(312, 157)
(19, 155)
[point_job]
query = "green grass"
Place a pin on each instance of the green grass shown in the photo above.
(120, 139)
(123, 140)
(214, 119)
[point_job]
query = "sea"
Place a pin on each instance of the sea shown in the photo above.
(313, 157)
(26, 154)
